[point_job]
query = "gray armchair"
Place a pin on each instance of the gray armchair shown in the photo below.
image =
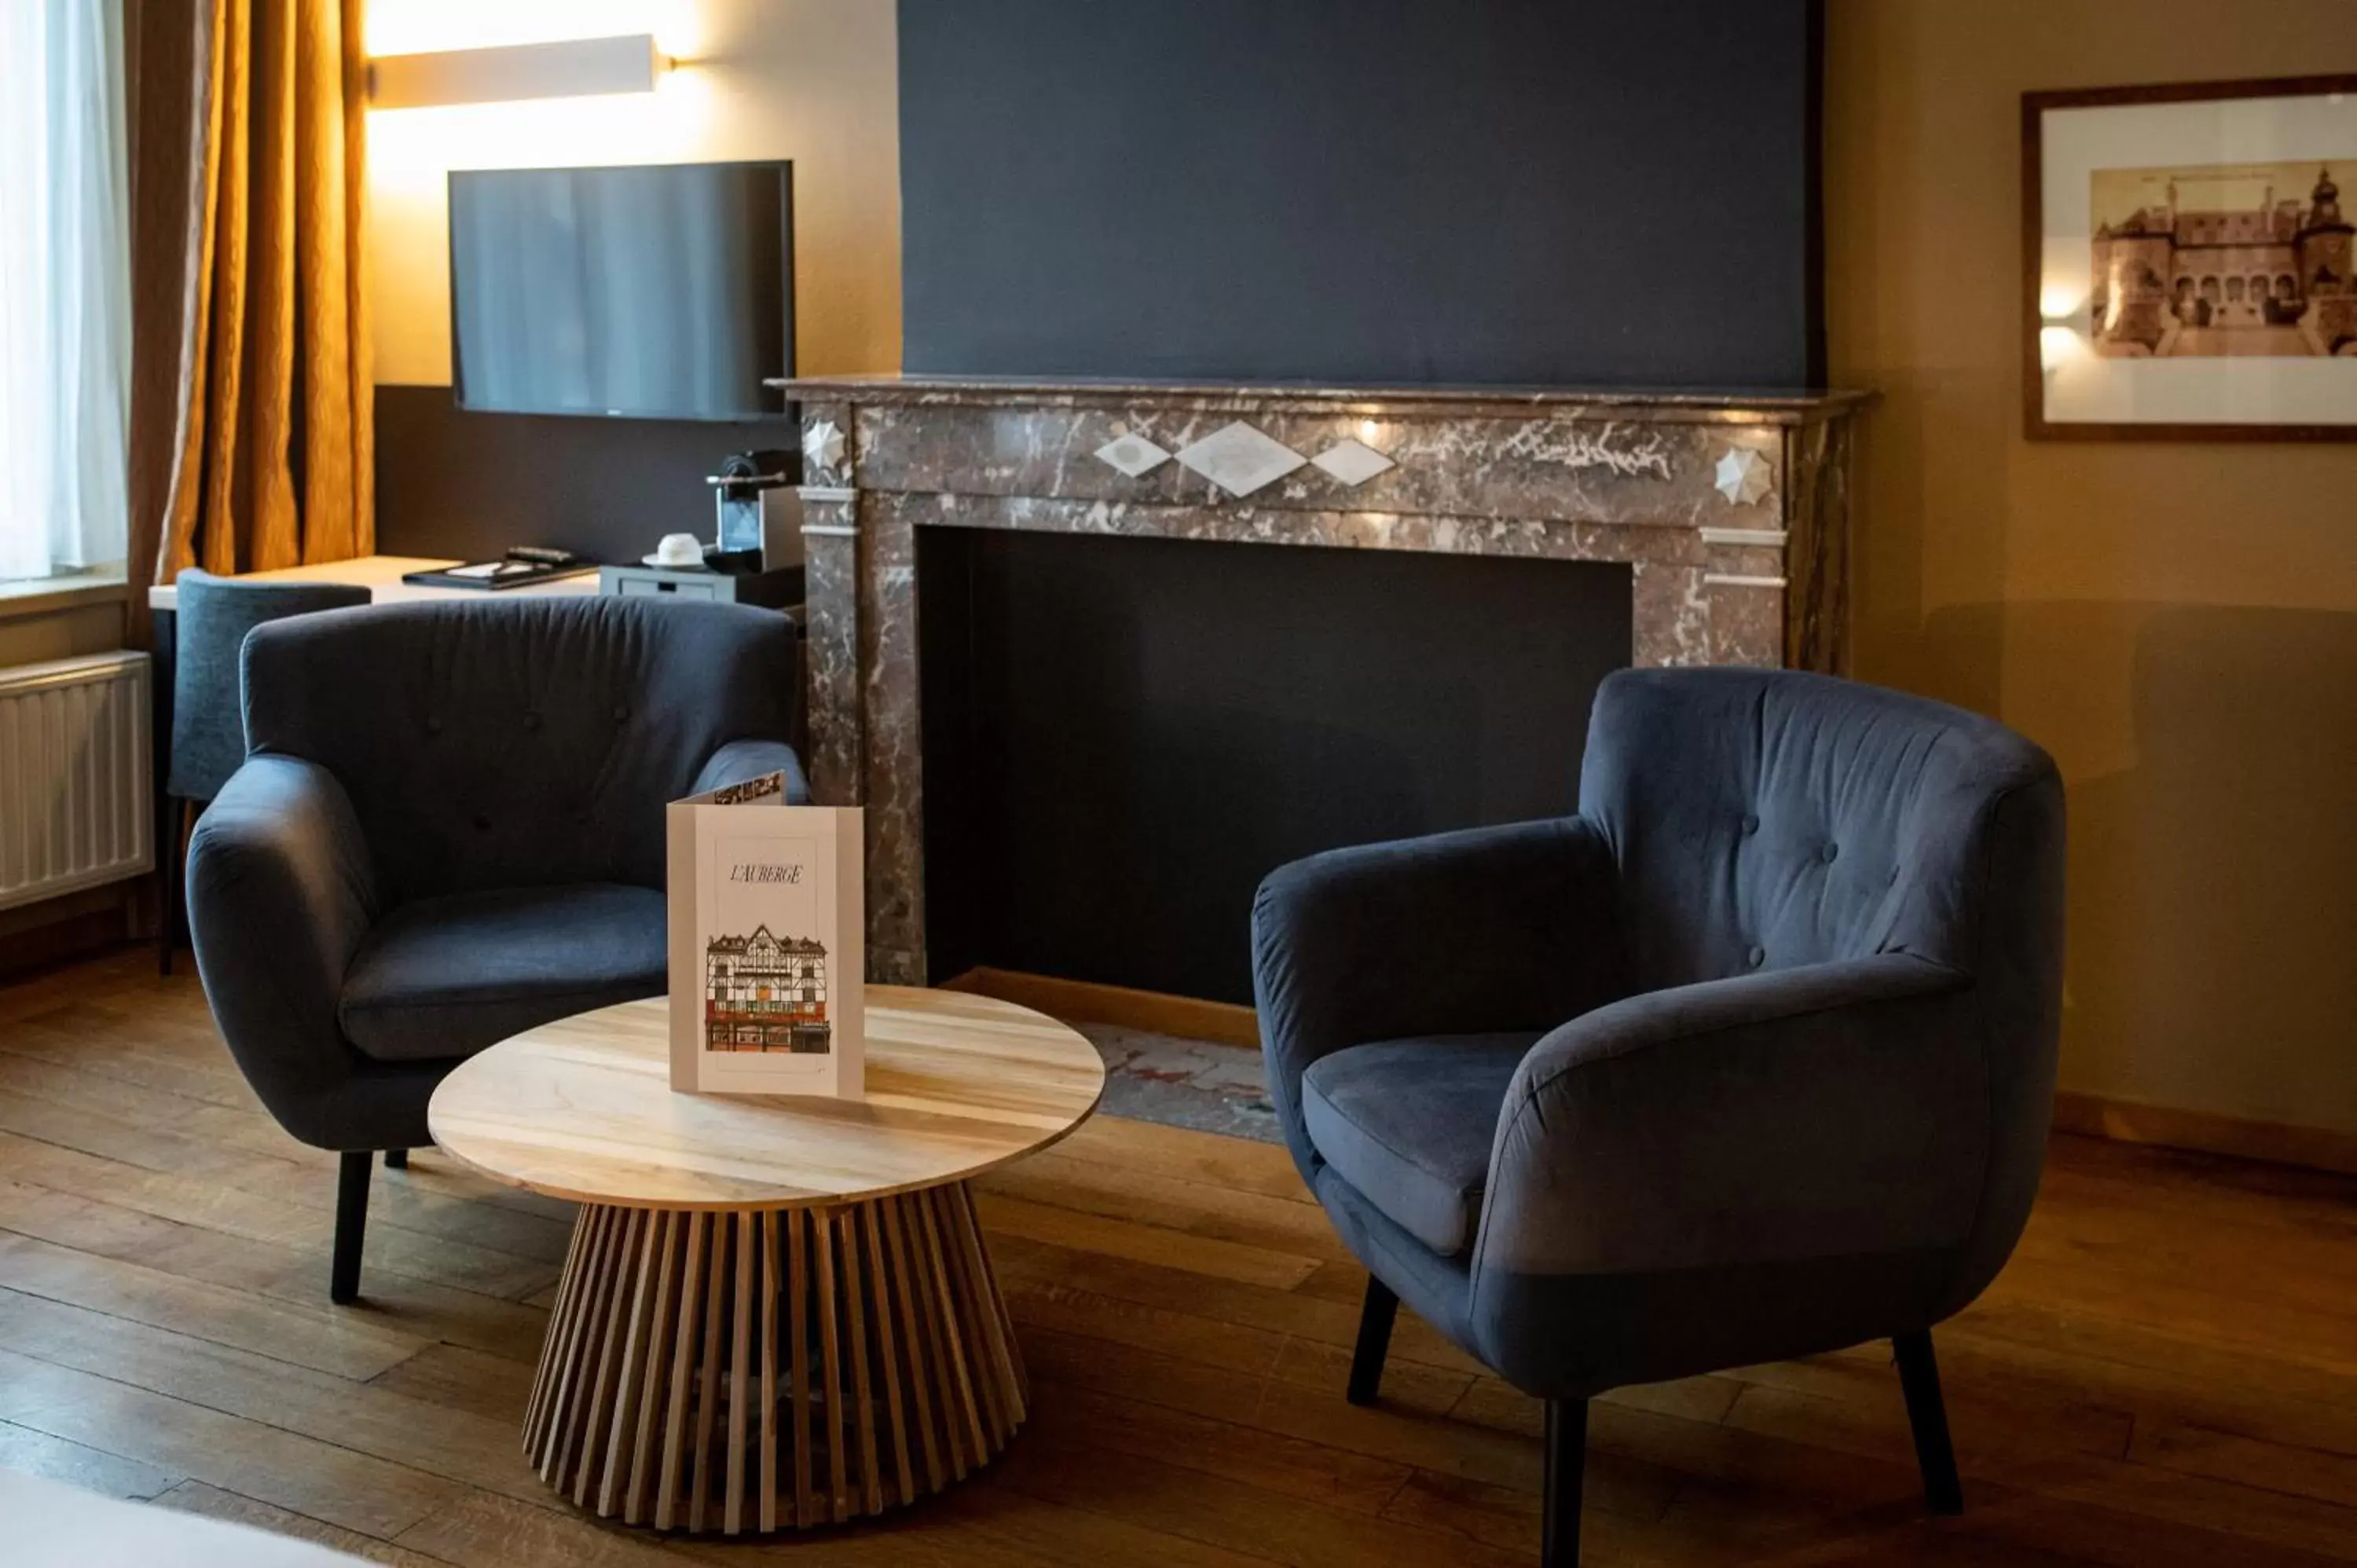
(1752, 1058)
(448, 828)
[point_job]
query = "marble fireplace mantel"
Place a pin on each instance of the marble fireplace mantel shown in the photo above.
(1731, 510)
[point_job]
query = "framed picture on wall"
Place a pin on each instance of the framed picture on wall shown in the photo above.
(2190, 262)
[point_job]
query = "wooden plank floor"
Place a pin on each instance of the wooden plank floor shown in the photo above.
(2167, 1374)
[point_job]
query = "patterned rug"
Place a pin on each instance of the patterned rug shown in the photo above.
(1184, 1083)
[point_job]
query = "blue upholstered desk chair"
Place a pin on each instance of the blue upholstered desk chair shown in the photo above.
(448, 828)
(1752, 1058)
(208, 722)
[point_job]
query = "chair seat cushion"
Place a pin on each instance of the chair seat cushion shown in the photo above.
(1408, 1124)
(445, 977)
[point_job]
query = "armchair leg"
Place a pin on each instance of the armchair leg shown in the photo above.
(351, 1225)
(1927, 1415)
(169, 865)
(1374, 1342)
(396, 1159)
(1566, 1460)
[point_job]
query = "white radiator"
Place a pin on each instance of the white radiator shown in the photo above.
(74, 781)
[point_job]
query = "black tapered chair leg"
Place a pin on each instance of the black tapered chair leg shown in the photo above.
(167, 887)
(352, 1224)
(1567, 1463)
(1374, 1342)
(1927, 1415)
(396, 1159)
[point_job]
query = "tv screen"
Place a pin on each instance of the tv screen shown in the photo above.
(654, 292)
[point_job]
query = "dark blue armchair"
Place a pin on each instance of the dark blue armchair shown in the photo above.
(448, 828)
(1752, 1058)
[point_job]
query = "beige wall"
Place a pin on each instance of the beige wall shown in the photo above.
(814, 80)
(2177, 623)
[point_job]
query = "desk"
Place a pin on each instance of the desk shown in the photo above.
(381, 575)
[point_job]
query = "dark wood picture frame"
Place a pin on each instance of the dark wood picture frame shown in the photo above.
(2034, 106)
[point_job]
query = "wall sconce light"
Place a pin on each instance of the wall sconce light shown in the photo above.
(570, 67)
(2059, 342)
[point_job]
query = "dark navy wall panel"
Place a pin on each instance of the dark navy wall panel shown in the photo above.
(1562, 191)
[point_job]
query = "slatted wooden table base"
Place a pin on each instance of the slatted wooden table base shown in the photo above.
(739, 1371)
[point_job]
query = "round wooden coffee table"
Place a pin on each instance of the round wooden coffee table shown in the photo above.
(777, 1312)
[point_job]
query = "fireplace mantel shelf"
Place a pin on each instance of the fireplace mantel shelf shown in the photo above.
(1730, 509)
(1722, 405)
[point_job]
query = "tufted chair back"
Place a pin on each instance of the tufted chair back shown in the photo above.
(1763, 820)
(517, 742)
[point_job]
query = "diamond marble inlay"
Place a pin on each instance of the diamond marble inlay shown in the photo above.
(1241, 459)
(1352, 462)
(1132, 454)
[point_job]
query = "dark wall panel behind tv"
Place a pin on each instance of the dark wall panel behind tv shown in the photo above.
(455, 483)
(1582, 191)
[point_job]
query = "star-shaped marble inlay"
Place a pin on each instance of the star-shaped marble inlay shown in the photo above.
(1241, 459)
(1352, 462)
(823, 446)
(1132, 454)
(1743, 476)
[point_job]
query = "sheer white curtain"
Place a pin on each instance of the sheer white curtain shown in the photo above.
(65, 286)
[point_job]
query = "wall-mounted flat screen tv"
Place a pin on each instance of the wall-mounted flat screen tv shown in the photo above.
(661, 291)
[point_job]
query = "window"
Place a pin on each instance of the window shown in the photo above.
(65, 290)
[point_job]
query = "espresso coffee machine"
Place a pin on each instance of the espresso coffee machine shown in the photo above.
(747, 494)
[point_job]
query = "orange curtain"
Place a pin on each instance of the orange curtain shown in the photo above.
(274, 449)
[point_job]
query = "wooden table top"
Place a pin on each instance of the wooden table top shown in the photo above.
(583, 1109)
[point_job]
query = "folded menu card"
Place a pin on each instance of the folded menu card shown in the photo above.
(767, 914)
